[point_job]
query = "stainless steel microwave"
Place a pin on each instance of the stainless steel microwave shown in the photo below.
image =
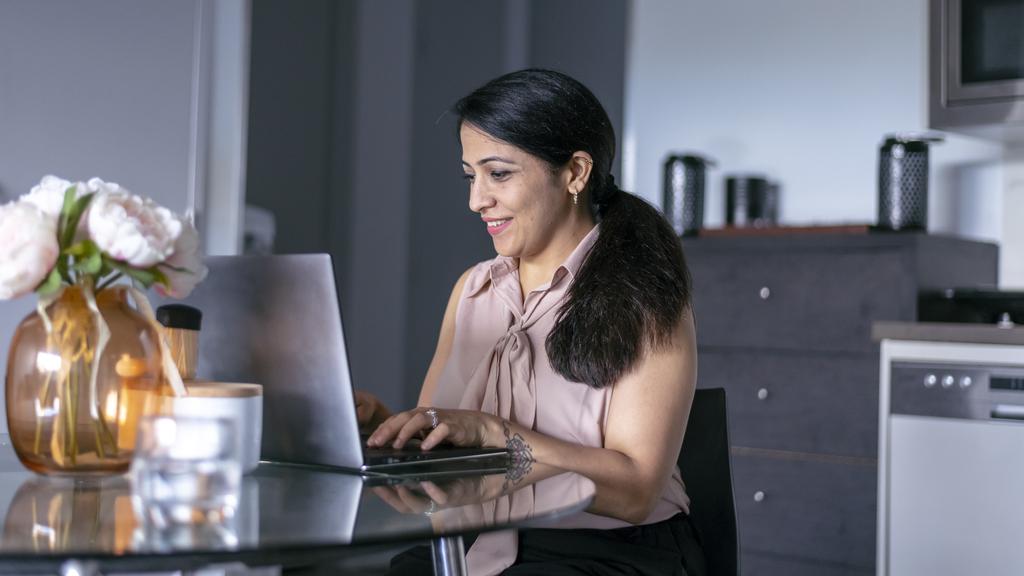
(976, 80)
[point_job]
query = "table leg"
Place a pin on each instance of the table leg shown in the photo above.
(449, 556)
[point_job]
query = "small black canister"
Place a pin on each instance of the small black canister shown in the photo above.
(683, 192)
(903, 181)
(745, 200)
(181, 324)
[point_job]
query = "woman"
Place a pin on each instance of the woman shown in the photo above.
(575, 346)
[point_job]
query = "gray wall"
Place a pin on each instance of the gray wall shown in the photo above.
(99, 88)
(102, 88)
(380, 184)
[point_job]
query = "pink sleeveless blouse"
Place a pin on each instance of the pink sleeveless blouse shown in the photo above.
(498, 364)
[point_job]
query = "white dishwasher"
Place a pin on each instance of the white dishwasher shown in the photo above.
(951, 459)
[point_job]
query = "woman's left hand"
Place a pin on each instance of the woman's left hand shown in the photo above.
(459, 427)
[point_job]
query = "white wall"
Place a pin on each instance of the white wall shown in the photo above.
(221, 111)
(1011, 258)
(803, 91)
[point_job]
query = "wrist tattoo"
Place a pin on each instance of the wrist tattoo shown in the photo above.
(520, 456)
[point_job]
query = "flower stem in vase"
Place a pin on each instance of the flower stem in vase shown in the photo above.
(72, 443)
(60, 423)
(109, 281)
(44, 395)
(103, 434)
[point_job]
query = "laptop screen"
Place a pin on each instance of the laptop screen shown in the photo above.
(275, 321)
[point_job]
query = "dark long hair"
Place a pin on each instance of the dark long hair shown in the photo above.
(634, 286)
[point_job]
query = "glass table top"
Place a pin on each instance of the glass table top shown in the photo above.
(281, 508)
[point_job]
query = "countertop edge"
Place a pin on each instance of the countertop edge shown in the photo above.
(947, 332)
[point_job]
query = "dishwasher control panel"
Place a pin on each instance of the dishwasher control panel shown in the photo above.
(957, 391)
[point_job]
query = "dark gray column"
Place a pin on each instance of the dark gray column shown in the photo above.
(379, 222)
(586, 40)
(459, 46)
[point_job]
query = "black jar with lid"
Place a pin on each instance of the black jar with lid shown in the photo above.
(747, 201)
(903, 181)
(683, 192)
(180, 326)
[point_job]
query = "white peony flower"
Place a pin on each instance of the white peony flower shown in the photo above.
(129, 228)
(98, 186)
(187, 257)
(28, 248)
(48, 195)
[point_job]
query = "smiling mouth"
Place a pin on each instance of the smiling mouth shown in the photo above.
(495, 227)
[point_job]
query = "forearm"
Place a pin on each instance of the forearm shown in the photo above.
(624, 490)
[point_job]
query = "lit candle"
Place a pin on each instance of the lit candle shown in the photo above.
(131, 401)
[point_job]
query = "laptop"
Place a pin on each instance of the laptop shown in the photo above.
(275, 321)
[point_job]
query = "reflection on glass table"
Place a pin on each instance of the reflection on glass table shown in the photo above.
(284, 513)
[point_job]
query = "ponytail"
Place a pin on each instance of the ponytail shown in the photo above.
(628, 296)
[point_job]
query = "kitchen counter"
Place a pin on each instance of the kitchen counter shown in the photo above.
(942, 332)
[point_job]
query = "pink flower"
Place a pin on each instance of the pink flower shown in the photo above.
(28, 248)
(130, 228)
(189, 264)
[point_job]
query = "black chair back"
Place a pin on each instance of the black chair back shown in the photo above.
(704, 464)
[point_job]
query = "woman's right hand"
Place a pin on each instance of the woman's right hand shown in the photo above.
(370, 412)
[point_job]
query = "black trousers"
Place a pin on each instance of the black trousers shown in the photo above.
(671, 547)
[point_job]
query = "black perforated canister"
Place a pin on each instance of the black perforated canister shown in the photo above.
(903, 181)
(683, 192)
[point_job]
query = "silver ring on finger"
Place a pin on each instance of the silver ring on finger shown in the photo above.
(434, 420)
(432, 509)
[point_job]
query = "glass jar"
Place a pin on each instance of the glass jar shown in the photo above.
(69, 411)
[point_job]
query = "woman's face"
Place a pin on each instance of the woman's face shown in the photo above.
(523, 204)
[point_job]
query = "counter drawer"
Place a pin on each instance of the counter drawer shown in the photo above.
(802, 300)
(800, 402)
(822, 511)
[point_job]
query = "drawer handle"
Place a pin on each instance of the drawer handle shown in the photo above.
(764, 292)
(1008, 412)
(758, 496)
(762, 394)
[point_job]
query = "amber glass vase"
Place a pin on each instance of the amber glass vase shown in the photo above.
(63, 420)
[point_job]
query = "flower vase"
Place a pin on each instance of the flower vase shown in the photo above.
(73, 398)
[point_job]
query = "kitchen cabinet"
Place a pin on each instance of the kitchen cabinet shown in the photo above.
(755, 564)
(784, 325)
